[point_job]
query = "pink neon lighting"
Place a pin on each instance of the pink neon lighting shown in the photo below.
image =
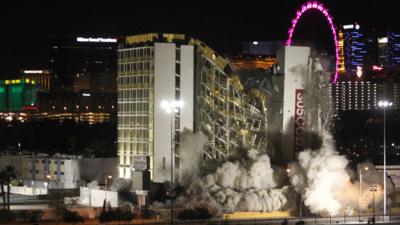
(377, 68)
(321, 8)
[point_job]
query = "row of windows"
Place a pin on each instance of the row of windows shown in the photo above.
(49, 161)
(55, 172)
(134, 148)
(135, 67)
(135, 52)
(138, 79)
(134, 107)
(132, 94)
(134, 121)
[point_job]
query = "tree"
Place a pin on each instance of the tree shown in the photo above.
(72, 217)
(6, 176)
(195, 214)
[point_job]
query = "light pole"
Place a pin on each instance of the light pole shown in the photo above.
(360, 192)
(288, 171)
(171, 108)
(373, 189)
(384, 104)
(105, 187)
(48, 177)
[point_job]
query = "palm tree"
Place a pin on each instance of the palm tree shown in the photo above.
(6, 176)
(2, 183)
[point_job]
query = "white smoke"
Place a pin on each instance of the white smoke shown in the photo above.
(322, 178)
(325, 178)
(191, 150)
(241, 186)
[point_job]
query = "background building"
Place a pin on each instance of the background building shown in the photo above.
(256, 55)
(354, 48)
(77, 106)
(354, 95)
(393, 50)
(83, 63)
(17, 95)
(42, 77)
(42, 171)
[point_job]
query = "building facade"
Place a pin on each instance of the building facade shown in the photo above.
(153, 68)
(354, 95)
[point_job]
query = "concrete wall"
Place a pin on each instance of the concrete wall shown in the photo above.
(95, 198)
(164, 90)
(187, 87)
(295, 68)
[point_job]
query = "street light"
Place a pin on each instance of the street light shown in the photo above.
(384, 104)
(105, 187)
(171, 108)
(373, 189)
(360, 191)
(48, 177)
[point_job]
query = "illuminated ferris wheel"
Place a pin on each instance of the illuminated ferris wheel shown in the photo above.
(318, 7)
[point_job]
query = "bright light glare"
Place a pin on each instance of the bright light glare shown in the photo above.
(164, 104)
(172, 106)
(359, 71)
(384, 103)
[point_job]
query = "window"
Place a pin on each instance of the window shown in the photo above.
(178, 68)
(178, 55)
(163, 163)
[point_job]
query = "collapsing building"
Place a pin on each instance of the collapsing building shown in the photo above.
(229, 107)
(233, 110)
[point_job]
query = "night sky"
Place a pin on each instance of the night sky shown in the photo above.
(222, 25)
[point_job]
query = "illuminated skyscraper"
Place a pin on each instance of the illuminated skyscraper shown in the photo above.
(354, 48)
(354, 95)
(83, 63)
(393, 50)
(17, 95)
(341, 51)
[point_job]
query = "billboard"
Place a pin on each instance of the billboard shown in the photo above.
(299, 121)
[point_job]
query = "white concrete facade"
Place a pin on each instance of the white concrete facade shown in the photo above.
(294, 63)
(164, 90)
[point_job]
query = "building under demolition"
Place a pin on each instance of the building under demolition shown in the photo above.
(229, 107)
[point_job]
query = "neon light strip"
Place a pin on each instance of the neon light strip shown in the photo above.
(321, 8)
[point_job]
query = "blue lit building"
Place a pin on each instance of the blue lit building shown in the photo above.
(393, 50)
(354, 47)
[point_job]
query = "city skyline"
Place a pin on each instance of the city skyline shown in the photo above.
(31, 25)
